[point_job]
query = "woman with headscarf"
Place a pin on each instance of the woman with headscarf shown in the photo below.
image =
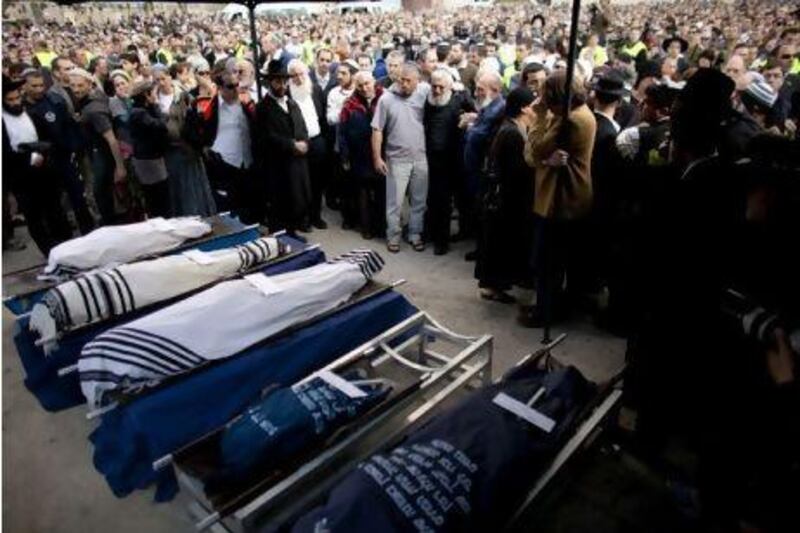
(128, 199)
(148, 128)
(503, 250)
(190, 192)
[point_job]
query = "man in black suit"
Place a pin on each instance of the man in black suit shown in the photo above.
(308, 97)
(284, 145)
(324, 72)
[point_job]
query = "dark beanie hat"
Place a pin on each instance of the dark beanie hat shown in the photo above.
(517, 99)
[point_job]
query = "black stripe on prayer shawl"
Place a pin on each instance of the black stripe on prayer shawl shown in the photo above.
(127, 288)
(122, 307)
(100, 348)
(263, 248)
(156, 343)
(254, 251)
(374, 261)
(106, 294)
(250, 254)
(85, 299)
(241, 258)
(63, 305)
(116, 358)
(89, 286)
(171, 342)
(105, 376)
(142, 345)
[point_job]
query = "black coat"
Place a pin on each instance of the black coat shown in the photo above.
(503, 255)
(442, 134)
(287, 172)
(148, 132)
(605, 161)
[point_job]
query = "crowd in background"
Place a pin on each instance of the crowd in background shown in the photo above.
(665, 181)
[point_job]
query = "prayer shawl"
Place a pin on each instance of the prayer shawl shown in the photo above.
(108, 293)
(278, 428)
(111, 245)
(465, 470)
(217, 323)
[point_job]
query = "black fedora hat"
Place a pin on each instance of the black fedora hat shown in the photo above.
(276, 69)
(669, 40)
(610, 83)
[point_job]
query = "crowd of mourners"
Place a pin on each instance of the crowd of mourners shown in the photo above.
(663, 181)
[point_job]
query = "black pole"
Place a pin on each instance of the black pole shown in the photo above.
(251, 5)
(563, 136)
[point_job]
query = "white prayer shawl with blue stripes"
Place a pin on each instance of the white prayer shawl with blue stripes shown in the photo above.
(114, 245)
(217, 323)
(104, 294)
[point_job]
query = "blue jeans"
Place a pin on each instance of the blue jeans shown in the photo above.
(411, 176)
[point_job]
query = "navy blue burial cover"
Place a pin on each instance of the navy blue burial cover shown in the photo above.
(465, 470)
(288, 421)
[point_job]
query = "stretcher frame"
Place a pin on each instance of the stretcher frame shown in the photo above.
(27, 277)
(440, 377)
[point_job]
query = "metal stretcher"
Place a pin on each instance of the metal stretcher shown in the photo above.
(25, 287)
(282, 497)
(426, 364)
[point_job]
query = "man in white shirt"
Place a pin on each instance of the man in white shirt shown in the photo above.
(340, 93)
(227, 122)
(29, 173)
(309, 98)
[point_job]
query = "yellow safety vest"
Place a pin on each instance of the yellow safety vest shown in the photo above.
(795, 66)
(45, 58)
(168, 59)
(635, 49)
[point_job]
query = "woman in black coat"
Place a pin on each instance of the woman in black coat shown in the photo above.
(148, 129)
(503, 249)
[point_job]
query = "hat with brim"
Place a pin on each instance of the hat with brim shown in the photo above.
(667, 42)
(10, 85)
(610, 83)
(276, 70)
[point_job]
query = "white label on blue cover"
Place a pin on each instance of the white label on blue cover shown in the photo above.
(263, 283)
(200, 257)
(541, 421)
(340, 383)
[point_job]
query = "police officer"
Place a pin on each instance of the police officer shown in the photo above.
(50, 111)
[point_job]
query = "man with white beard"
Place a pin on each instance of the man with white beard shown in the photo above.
(308, 96)
(443, 149)
(480, 129)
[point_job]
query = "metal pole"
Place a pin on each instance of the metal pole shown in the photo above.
(563, 136)
(251, 5)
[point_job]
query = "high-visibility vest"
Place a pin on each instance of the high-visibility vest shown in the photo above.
(240, 50)
(795, 66)
(168, 59)
(634, 50)
(45, 58)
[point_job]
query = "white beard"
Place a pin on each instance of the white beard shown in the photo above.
(302, 91)
(485, 102)
(440, 101)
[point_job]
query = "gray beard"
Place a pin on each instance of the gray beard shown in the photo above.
(440, 101)
(485, 102)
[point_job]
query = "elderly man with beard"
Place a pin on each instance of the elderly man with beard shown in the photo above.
(356, 152)
(308, 96)
(480, 130)
(284, 146)
(443, 148)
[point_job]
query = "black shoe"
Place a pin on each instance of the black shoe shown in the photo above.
(367, 236)
(440, 249)
(319, 224)
(497, 296)
(534, 318)
(471, 256)
(306, 228)
(348, 225)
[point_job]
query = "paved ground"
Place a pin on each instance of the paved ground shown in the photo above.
(49, 483)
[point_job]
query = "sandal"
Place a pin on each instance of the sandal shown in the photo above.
(418, 246)
(393, 247)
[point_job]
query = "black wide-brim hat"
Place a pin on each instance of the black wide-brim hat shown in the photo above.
(610, 83)
(276, 69)
(670, 40)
